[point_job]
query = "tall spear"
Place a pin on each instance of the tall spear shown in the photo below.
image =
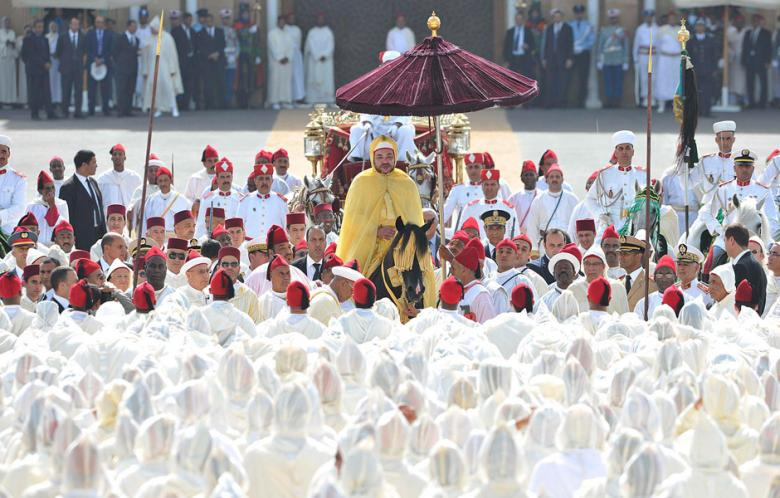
(647, 169)
(148, 144)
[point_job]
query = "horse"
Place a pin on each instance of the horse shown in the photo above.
(312, 193)
(637, 218)
(400, 276)
(420, 170)
(748, 213)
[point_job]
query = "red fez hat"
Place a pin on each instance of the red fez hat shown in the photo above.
(279, 153)
(489, 163)
(673, 297)
(297, 295)
(44, 178)
(155, 221)
(471, 223)
(277, 261)
(549, 154)
(475, 158)
(10, 285)
(772, 155)
(451, 291)
(528, 165)
(744, 293)
(224, 166)
(214, 182)
(332, 262)
(276, 235)
(62, 225)
(234, 223)
(116, 147)
(331, 249)
(461, 236)
(30, 271)
(554, 167)
(478, 247)
(116, 209)
(264, 154)
(215, 212)
(86, 267)
(218, 231)
(572, 249)
(143, 297)
(162, 170)
(153, 157)
(600, 291)
(522, 298)
(469, 257)
(364, 293)
(490, 174)
(301, 246)
(666, 261)
(176, 243)
(506, 243)
(229, 251)
(263, 169)
(522, 238)
(154, 251)
(78, 295)
(296, 219)
(78, 254)
(586, 225)
(610, 233)
(322, 207)
(27, 220)
(208, 152)
(353, 263)
(182, 215)
(222, 285)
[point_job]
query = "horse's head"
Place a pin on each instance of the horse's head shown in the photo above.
(318, 190)
(411, 246)
(420, 169)
(638, 212)
(750, 214)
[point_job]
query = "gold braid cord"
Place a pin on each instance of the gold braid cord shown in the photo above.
(403, 257)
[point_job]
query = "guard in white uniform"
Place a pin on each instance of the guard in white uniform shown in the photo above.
(742, 187)
(507, 277)
(522, 199)
(225, 197)
(281, 162)
(263, 208)
(771, 175)
(463, 193)
(715, 168)
(47, 215)
(490, 200)
(551, 209)
(613, 192)
(13, 189)
(689, 261)
(674, 195)
(165, 204)
(118, 184)
(201, 180)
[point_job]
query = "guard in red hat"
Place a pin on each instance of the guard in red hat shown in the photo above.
(610, 244)
(90, 271)
(221, 235)
(167, 201)
(599, 294)
(235, 227)
(744, 296)
(213, 218)
(201, 180)
(664, 276)
(156, 268)
(225, 196)
(279, 243)
(507, 275)
(264, 157)
(553, 207)
(471, 227)
(274, 301)
(522, 199)
(264, 207)
(281, 162)
(586, 232)
(33, 287)
(11, 297)
(504, 191)
(297, 298)
(184, 224)
(364, 293)
(476, 299)
(144, 299)
(323, 216)
(155, 230)
(674, 298)
(463, 193)
(10, 288)
(77, 255)
(116, 218)
(450, 294)
(62, 236)
(48, 209)
(296, 227)
(176, 251)
(491, 200)
(522, 298)
(221, 286)
(83, 297)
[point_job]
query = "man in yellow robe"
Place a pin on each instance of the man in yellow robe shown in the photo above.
(375, 199)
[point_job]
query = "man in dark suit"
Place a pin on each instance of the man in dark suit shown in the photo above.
(184, 35)
(311, 264)
(85, 202)
(100, 47)
(553, 241)
(210, 54)
(71, 50)
(745, 265)
(557, 60)
(704, 54)
(35, 54)
(756, 57)
(519, 45)
(126, 68)
(62, 278)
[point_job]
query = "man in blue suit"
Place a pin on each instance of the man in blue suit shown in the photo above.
(100, 46)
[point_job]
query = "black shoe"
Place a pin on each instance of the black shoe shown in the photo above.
(107, 113)
(52, 117)
(35, 117)
(79, 116)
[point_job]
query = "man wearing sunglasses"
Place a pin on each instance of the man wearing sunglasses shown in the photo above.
(176, 250)
(257, 253)
(229, 260)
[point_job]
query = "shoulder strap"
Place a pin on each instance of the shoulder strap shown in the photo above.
(170, 205)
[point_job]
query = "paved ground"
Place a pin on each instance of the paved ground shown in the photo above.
(581, 138)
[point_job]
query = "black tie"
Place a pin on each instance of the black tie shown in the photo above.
(628, 283)
(95, 212)
(317, 271)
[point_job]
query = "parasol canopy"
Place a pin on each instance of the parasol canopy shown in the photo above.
(435, 77)
(759, 4)
(78, 4)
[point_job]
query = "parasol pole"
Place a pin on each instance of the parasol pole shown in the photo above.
(646, 261)
(434, 23)
(148, 144)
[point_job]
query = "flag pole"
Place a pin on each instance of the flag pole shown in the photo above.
(148, 146)
(646, 262)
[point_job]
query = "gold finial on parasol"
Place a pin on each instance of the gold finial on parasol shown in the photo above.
(434, 23)
(683, 35)
(159, 33)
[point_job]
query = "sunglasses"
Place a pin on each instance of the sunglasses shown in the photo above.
(258, 252)
(177, 255)
(232, 264)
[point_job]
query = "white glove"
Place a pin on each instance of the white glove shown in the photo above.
(720, 64)
(253, 29)
(258, 60)
(599, 66)
(625, 66)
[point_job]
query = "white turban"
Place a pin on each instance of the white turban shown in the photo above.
(726, 275)
(5, 140)
(623, 137)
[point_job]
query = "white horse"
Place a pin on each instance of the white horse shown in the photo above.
(421, 170)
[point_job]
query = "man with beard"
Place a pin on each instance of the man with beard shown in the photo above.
(564, 267)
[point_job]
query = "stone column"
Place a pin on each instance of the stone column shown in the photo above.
(271, 13)
(593, 101)
(191, 6)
